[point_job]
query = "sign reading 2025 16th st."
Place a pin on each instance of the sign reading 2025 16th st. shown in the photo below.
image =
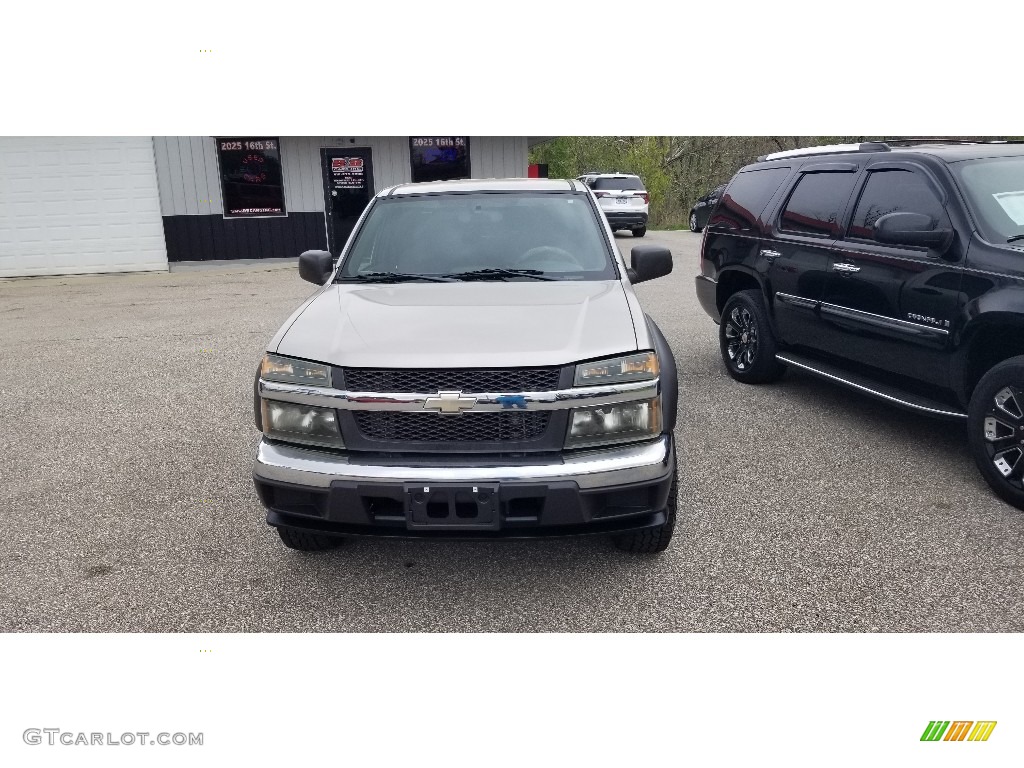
(251, 179)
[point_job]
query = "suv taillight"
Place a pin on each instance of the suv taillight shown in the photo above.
(645, 196)
(600, 194)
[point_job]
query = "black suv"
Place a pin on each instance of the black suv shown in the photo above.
(895, 270)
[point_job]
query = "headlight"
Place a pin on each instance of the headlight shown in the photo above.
(612, 370)
(292, 371)
(301, 424)
(619, 423)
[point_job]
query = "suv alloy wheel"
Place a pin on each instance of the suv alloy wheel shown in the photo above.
(746, 340)
(995, 421)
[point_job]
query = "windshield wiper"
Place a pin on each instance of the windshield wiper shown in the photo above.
(392, 277)
(498, 274)
(1015, 238)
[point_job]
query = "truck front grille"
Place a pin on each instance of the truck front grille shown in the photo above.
(439, 379)
(502, 426)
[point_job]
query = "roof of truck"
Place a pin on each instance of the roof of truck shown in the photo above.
(481, 185)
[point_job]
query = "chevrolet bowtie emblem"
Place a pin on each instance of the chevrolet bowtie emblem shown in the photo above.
(449, 402)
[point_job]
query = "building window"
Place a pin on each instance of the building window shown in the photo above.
(251, 180)
(439, 158)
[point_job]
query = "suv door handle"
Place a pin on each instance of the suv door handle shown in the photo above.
(770, 255)
(846, 268)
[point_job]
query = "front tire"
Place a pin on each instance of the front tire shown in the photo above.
(693, 223)
(995, 421)
(639, 231)
(746, 340)
(657, 539)
(306, 541)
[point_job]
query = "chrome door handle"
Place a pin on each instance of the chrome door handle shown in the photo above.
(770, 255)
(846, 268)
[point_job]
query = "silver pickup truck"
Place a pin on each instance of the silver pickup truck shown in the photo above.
(474, 364)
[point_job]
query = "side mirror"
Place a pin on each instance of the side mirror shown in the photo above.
(904, 228)
(316, 266)
(649, 262)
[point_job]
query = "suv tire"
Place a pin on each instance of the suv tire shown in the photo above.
(746, 340)
(652, 540)
(305, 541)
(995, 423)
(693, 223)
(639, 231)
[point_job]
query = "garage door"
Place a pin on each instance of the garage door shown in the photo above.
(77, 205)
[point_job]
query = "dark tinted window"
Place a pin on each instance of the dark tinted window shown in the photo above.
(746, 196)
(439, 158)
(250, 175)
(617, 182)
(891, 191)
(817, 202)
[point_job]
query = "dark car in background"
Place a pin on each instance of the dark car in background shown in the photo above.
(701, 211)
(897, 271)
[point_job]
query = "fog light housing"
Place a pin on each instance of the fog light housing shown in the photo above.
(305, 424)
(618, 423)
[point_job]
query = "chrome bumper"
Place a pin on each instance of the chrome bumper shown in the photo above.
(623, 465)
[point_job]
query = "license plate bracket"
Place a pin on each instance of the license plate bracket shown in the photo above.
(452, 506)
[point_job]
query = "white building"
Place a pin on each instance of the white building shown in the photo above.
(100, 204)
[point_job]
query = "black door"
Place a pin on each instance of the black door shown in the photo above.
(796, 260)
(891, 306)
(348, 188)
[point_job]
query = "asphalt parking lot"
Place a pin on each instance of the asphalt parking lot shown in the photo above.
(128, 505)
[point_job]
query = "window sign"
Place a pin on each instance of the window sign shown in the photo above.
(348, 173)
(252, 183)
(439, 158)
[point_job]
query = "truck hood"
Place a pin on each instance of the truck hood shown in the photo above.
(463, 324)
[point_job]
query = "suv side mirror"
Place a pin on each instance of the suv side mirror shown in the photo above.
(904, 228)
(316, 266)
(649, 262)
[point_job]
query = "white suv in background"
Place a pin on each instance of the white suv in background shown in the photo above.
(623, 200)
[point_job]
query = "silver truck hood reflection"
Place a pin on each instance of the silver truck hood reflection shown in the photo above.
(465, 324)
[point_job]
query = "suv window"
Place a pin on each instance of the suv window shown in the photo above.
(746, 197)
(995, 189)
(618, 182)
(816, 203)
(889, 191)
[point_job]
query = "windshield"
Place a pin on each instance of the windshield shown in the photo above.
(995, 190)
(618, 182)
(485, 236)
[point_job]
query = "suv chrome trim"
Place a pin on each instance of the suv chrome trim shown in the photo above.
(589, 469)
(325, 397)
(868, 390)
(800, 301)
(882, 321)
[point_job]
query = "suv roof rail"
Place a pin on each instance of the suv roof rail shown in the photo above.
(946, 140)
(828, 149)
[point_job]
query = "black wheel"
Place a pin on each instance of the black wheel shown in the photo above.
(306, 541)
(748, 346)
(639, 231)
(656, 539)
(693, 223)
(995, 420)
